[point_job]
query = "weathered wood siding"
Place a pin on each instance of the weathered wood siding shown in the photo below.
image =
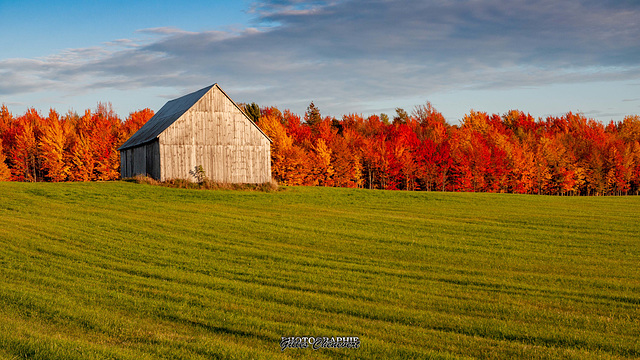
(214, 133)
(141, 160)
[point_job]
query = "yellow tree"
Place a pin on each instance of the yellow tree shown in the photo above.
(322, 168)
(289, 164)
(52, 147)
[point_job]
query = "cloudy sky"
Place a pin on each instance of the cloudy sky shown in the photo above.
(348, 56)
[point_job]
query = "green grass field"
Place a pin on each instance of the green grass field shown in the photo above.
(120, 270)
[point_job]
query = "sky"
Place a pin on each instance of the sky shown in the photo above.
(367, 57)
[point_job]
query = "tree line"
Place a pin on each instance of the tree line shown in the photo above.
(68, 147)
(511, 153)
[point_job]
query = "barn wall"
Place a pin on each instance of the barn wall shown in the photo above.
(124, 173)
(133, 162)
(141, 160)
(153, 159)
(214, 133)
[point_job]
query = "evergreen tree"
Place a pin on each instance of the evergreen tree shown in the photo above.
(253, 112)
(312, 116)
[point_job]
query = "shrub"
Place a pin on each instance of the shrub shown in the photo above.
(205, 184)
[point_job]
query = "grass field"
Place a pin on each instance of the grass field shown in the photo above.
(129, 271)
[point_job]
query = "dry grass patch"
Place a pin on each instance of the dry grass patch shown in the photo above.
(205, 184)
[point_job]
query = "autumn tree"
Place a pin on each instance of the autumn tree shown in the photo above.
(6, 137)
(24, 159)
(80, 149)
(322, 170)
(347, 159)
(5, 173)
(133, 123)
(289, 163)
(52, 145)
(105, 130)
(6, 119)
(513, 152)
(428, 115)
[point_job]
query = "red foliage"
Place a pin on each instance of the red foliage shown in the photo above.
(568, 155)
(511, 153)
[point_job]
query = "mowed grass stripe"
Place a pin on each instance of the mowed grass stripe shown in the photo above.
(123, 270)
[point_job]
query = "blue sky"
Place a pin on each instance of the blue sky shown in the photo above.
(363, 56)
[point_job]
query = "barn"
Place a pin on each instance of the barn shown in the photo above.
(204, 128)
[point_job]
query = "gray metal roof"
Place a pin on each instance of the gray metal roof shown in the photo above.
(167, 115)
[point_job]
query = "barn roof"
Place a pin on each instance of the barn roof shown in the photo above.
(168, 114)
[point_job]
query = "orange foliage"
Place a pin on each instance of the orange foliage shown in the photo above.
(65, 148)
(289, 163)
(566, 155)
(24, 148)
(133, 123)
(510, 153)
(52, 145)
(5, 173)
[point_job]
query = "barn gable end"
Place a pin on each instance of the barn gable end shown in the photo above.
(205, 128)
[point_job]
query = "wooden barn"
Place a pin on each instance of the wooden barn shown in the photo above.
(205, 128)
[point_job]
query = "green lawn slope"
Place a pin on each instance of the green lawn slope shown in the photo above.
(120, 270)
